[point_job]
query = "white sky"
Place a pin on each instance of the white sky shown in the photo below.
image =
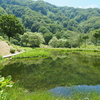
(76, 3)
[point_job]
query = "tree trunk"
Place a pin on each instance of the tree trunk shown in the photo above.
(9, 38)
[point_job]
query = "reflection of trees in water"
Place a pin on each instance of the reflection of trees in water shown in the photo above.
(14, 69)
(42, 74)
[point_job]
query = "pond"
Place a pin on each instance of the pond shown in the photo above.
(59, 73)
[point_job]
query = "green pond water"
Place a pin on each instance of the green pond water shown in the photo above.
(58, 70)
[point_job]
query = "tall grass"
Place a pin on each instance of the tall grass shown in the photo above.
(32, 53)
(0, 57)
(73, 49)
(45, 52)
(16, 93)
(93, 95)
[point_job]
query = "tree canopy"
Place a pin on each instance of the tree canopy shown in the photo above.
(10, 25)
(37, 14)
(63, 23)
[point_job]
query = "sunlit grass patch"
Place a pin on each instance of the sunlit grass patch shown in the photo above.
(16, 93)
(73, 49)
(0, 57)
(32, 53)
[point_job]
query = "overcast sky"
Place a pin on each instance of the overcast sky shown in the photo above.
(76, 3)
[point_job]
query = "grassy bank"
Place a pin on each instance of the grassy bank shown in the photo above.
(16, 93)
(2, 60)
(32, 53)
(74, 49)
(45, 52)
(0, 57)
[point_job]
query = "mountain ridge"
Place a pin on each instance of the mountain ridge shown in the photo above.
(44, 13)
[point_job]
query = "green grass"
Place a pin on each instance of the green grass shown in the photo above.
(0, 57)
(35, 96)
(85, 96)
(32, 53)
(1, 60)
(45, 52)
(16, 93)
(65, 50)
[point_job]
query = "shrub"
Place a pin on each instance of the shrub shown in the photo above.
(8, 42)
(53, 42)
(12, 50)
(19, 50)
(14, 41)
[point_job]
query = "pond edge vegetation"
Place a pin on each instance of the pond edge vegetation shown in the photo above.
(45, 52)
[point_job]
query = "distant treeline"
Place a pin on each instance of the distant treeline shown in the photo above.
(50, 20)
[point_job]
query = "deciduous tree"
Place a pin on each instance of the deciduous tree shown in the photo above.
(96, 35)
(10, 25)
(53, 42)
(35, 39)
(85, 37)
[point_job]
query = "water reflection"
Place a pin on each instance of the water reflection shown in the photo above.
(47, 73)
(68, 91)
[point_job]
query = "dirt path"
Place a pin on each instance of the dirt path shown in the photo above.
(7, 56)
(4, 48)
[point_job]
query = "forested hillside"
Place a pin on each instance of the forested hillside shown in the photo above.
(62, 24)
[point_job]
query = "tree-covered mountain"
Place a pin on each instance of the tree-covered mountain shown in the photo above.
(50, 20)
(39, 13)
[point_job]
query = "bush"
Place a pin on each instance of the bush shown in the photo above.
(53, 42)
(14, 41)
(12, 50)
(8, 43)
(19, 50)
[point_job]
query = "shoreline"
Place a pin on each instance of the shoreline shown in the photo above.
(8, 56)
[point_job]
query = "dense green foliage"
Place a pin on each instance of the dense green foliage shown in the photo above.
(97, 35)
(58, 27)
(62, 22)
(4, 83)
(32, 39)
(10, 25)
